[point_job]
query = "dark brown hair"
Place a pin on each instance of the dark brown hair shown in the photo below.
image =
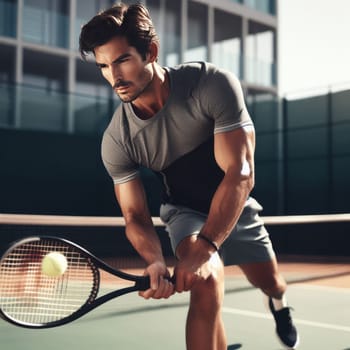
(132, 22)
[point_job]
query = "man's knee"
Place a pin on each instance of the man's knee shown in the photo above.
(274, 287)
(207, 294)
(205, 298)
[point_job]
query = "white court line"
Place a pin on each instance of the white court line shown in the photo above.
(344, 290)
(229, 310)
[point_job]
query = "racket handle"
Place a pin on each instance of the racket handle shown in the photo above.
(144, 282)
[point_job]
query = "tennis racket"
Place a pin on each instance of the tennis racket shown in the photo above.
(31, 299)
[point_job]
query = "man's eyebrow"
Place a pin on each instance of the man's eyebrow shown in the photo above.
(117, 60)
(122, 57)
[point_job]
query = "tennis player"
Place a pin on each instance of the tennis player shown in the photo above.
(189, 124)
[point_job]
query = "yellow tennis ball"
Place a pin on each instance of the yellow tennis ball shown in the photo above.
(54, 264)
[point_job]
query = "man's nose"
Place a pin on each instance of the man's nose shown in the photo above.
(116, 75)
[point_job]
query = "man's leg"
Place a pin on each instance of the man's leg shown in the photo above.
(204, 327)
(265, 275)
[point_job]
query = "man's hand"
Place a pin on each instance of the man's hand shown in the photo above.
(161, 285)
(197, 262)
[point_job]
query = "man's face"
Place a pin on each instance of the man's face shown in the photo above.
(123, 67)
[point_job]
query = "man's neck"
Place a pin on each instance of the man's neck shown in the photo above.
(155, 96)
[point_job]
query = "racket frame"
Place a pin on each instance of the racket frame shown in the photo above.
(140, 283)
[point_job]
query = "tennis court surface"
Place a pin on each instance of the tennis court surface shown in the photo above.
(319, 292)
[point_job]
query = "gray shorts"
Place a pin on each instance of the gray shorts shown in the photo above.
(248, 242)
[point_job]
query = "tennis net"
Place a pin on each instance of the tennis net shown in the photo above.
(104, 236)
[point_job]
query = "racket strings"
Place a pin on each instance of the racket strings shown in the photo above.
(29, 296)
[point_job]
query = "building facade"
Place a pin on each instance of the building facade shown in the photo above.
(39, 42)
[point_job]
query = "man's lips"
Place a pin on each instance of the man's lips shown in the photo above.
(121, 87)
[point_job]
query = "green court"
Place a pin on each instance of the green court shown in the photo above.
(320, 295)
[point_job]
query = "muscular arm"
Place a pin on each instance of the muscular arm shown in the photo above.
(142, 235)
(138, 222)
(234, 153)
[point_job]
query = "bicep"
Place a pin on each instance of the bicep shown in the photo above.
(234, 150)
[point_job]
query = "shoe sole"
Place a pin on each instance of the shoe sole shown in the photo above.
(285, 346)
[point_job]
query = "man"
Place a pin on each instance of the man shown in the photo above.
(190, 125)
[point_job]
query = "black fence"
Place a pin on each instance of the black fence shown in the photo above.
(50, 154)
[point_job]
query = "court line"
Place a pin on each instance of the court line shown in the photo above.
(331, 289)
(229, 310)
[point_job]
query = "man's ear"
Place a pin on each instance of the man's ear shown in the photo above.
(152, 55)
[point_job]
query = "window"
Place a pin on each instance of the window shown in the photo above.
(7, 63)
(46, 22)
(267, 6)
(7, 90)
(43, 102)
(227, 42)
(171, 42)
(197, 32)
(8, 20)
(260, 55)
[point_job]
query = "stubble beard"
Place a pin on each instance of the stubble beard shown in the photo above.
(137, 94)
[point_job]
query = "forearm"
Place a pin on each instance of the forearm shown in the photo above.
(226, 207)
(139, 227)
(144, 239)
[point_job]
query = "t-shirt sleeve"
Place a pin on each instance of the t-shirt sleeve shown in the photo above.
(116, 161)
(222, 99)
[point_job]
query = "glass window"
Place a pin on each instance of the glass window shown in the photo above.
(166, 17)
(44, 70)
(260, 55)
(8, 18)
(46, 22)
(43, 105)
(226, 52)
(197, 32)
(171, 41)
(7, 90)
(7, 87)
(7, 63)
(267, 6)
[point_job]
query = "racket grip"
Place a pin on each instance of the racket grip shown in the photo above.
(144, 282)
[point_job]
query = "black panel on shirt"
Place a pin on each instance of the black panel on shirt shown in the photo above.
(192, 179)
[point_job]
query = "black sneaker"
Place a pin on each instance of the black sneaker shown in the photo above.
(285, 329)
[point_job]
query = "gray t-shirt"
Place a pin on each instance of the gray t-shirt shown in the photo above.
(177, 143)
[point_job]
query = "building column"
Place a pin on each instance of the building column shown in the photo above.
(210, 23)
(244, 64)
(71, 67)
(19, 66)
